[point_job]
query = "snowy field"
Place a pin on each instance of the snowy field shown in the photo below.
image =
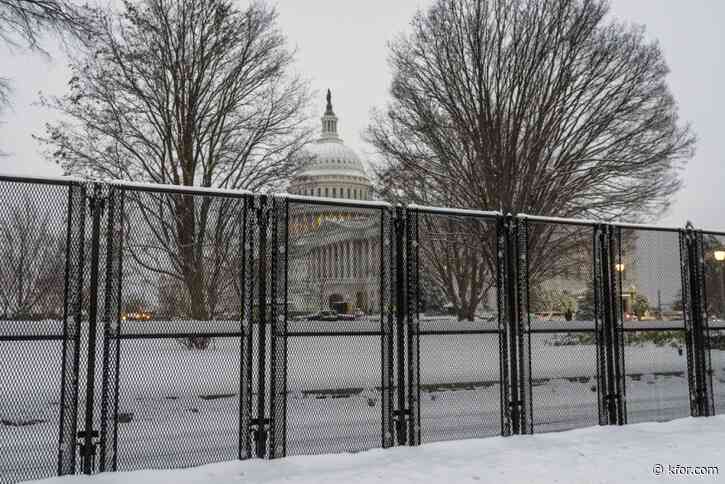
(181, 407)
(641, 453)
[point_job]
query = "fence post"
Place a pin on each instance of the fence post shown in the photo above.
(72, 317)
(523, 326)
(413, 328)
(609, 343)
(516, 348)
(111, 330)
(400, 313)
(387, 330)
(247, 435)
(88, 434)
(278, 329)
(511, 315)
(261, 313)
(698, 349)
(502, 304)
(620, 388)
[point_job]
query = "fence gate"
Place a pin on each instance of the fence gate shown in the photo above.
(42, 231)
(562, 324)
(652, 322)
(453, 256)
(174, 381)
(337, 371)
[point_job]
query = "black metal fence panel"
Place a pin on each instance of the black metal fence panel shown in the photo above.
(562, 317)
(178, 396)
(713, 249)
(338, 340)
(41, 248)
(653, 325)
(460, 395)
(156, 327)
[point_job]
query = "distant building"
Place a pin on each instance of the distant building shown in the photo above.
(334, 252)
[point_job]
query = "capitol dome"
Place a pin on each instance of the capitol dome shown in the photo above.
(333, 169)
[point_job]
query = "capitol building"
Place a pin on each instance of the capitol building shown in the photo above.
(334, 250)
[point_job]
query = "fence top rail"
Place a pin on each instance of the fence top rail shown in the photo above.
(557, 220)
(334, 201)
(654, 228)
(574, 221)
(454, 211)
(158, 187)
(47, 180)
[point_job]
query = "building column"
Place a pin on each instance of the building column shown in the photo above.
(336, 262)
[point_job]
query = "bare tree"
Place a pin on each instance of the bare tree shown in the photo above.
(193, 93)
(33, 268)
(22, 22)
(458, 255)
(526, 106)
(190, 93)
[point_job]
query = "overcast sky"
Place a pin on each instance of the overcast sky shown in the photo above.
(342, 46)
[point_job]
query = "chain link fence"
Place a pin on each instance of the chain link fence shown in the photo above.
(157, 327)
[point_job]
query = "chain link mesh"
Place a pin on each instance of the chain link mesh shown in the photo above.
(562, 311)
(654, 336)
(41, 227)
(337, 259)
(230, 326)
(458, 321)
(181, 336)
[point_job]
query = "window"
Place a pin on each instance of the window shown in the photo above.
(355, 193)
(334, 192)
(348, 193)
(327, 194)
(318, 192)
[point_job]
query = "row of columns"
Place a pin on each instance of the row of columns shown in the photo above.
(346, 259)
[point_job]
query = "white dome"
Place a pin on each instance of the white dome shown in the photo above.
(331, 169)
(329, 157)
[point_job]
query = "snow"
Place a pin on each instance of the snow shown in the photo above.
(592, 455)
(176, 424)
(576, 221)
(453, 211)
(62, 180)
(342, 202)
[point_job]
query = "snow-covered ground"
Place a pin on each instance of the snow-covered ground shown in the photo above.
(183, 405)
(681, 450)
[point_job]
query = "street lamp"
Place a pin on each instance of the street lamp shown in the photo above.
(619, 267)
(720, 257)
(624, 298)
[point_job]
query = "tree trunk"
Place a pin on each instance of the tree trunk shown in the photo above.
(192, 268)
